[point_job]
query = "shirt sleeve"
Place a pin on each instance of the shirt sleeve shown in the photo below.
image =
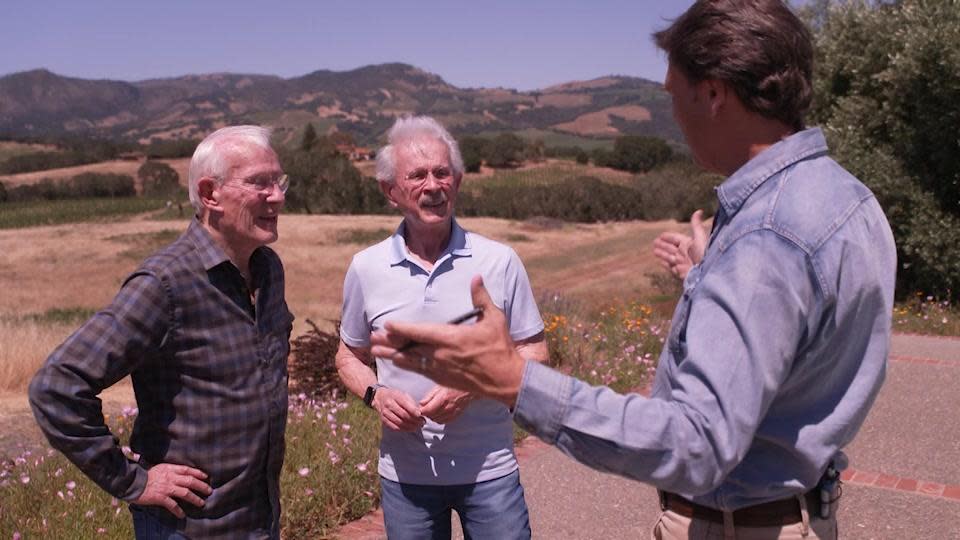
(109, 346)
(520, 306)
(354, 325)
(740, 335)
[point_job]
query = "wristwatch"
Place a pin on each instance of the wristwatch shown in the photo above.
(370, 393)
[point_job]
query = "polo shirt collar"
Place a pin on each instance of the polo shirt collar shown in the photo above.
(736, 189)
(458, 245)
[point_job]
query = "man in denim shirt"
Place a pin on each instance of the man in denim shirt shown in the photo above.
(778, 346)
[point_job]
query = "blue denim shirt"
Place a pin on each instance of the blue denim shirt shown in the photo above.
(776, 352)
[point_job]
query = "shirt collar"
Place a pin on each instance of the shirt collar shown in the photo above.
(736, 189)
(457, 245)
(211, 254)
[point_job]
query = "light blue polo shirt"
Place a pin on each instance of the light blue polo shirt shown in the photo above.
(384, 284)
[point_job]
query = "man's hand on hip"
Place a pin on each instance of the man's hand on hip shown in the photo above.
(167, 483)
(443, 405)
(398, 411)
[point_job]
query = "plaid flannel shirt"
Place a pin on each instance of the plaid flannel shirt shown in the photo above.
(209, 371)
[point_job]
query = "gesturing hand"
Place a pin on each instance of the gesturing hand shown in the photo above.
(167, 483)
(398, 411)
(443, 405)
(677, 251)
(479, 358)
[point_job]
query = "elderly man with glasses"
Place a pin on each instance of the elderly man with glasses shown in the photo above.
(203, 329)
(441, 449)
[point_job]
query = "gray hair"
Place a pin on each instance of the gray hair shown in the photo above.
(210, 157)
(407, 129)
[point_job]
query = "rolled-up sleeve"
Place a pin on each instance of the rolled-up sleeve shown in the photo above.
(109, 346)
(717, 377)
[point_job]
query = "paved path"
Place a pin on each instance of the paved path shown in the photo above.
(904, 481)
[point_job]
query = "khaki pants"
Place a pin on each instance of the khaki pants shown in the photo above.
(673, 526)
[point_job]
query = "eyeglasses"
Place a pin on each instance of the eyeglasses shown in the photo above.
(441, 174)
(263, 185)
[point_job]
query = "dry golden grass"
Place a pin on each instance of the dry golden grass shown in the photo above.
(81, 266)
(24, 345)
(598, 123)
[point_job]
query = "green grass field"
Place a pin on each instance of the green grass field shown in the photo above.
(35, 213)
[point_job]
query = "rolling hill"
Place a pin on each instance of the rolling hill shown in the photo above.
(362, 102)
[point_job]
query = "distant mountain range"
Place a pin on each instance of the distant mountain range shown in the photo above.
(363, 102)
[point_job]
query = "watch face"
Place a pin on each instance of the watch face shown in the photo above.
(368, 396)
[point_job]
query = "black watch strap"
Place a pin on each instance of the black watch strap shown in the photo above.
(370, 394)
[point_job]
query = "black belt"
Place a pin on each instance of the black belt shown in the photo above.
(769, 514)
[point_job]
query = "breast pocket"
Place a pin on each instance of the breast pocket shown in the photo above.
(677, 341)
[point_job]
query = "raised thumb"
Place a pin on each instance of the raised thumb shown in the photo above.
(481, 298)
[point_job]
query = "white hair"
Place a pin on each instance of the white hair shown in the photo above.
(210, 157)
(408, 129)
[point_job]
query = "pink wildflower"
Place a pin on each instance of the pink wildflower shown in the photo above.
(71, 485)
(89, 514)
(25, 479)
(362, 467)
(304, 471)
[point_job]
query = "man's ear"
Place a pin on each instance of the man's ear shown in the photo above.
(387, 189)
(208, 190)
(717, 93)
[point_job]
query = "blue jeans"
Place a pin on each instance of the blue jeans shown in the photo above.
(147, 527)
(494, 509)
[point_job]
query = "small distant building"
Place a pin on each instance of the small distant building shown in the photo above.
(356, 153)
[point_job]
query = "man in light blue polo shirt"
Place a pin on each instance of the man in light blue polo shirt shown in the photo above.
(441, 448)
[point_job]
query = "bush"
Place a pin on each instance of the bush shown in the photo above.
(324, 182)
(675, 191)
(159, 180)
(473, 150)
(887, 84)
(636, 153)
(578, 199)
(99, 185)
(506, 150)
(170, 149)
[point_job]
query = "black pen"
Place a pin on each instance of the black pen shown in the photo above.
(475, 312)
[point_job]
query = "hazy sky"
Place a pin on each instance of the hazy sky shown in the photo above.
(516, 44)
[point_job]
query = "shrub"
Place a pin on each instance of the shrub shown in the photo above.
(97, 185)
(473, 150)
(887, 83)
(578, 199)
(506, 150)
(675, 191)
(170, 149)
(324, 182)
(637, 153)
(159, 180)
